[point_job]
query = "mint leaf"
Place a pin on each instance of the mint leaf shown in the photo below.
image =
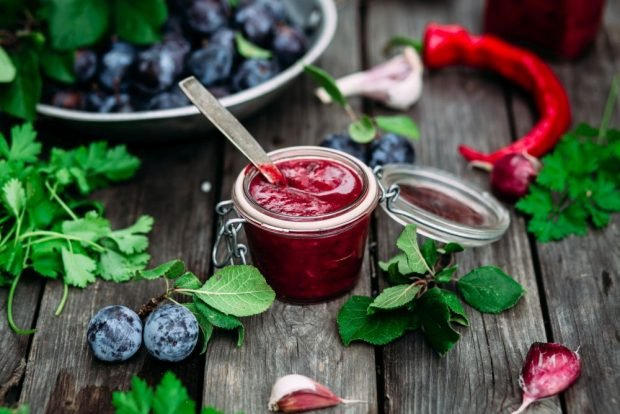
(77, 23)
(326, 82)
(490, 290)
(446, 274)
(400, 125)
(249, 50)
(7, 69)
(435, 316)
(79, 268)
(394, 297)
(408, 243)
(363, 130)
(138, 400)
(170, 270)
(237, 290)
(58, 65)
(20, 97)
(140, 21)
(354, 323)
(171, 397)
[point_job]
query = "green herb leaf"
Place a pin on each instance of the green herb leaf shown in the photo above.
(170, 270)
(90, 228)
(211, 410)
(205, 326)
(12, 259)
(400, 125)
(249, 50)
(58, 65)
(400, 260)
(451, 248)
(117, 267)
(187, 280)
(140, 21)
(394, 297)
(221, 320)
(326, 82)
(435, 316)
(363, 130)
(138, 400)
(490, 290)
(19, 97)
(404, 41)
(408, 243)
(237, 290)
(395, 277)
(14, 196)
(23, 145)
(7, 69)
(446, 274)
(79, 268)
(171, 397)
(429, 252)
(354, 323)
(458, 314)
(77, 23)
(132, 239)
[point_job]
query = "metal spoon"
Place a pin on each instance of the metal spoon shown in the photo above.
(231, 128)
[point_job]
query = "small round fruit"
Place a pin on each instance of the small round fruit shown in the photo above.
(114, 333)
(168, 100)
(253, 72)
(155, 69)
(84, 65)
(343, 142)
(390, 149)
(115, 65)
(205, 16)
(212, 64)
(68, 100)
(257, 23)
(288, 45)
(171, 333)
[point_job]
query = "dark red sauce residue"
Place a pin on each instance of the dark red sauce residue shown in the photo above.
(313, 187)
(441, 204)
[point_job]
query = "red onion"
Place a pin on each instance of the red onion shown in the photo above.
(549, 369)
(512, 174)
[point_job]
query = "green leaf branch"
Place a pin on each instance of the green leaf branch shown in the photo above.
(421, 299)
(363, 128)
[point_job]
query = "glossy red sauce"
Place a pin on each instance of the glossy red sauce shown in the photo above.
(313, 187)
(309, 267)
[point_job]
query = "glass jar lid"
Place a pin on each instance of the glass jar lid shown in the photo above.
(443, 206)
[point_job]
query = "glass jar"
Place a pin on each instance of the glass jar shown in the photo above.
(315, 258)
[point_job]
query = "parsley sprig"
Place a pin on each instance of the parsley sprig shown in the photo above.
(47, 223)
(420, 299)
(169, 397)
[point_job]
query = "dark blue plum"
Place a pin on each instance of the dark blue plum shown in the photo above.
(253, 72)
(168, 100)
(171, 333)
(205, 16)
(115, 65)
(155, 69)
(68, 100)
(104, 103)
(223, 38)
(274, 7)
(343, 142)
(114, 333)
(219, 91)
(390, 149)
(257, 23)
(212, 64)
(288, 45)
(84, 65)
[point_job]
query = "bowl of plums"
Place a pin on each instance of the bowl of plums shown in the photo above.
(245, 52)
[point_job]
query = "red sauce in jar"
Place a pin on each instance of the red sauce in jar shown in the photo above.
(315, 266)
(314, 187)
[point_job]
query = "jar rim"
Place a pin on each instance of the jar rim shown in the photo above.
(258, 215)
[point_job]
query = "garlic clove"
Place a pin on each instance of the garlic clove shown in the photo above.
(296, 393)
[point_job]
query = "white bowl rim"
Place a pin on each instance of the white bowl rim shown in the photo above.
(330, 20)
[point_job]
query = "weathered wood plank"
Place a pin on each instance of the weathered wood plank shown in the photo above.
(14, 346)
(62, 374)
(459, 106)
(581, 275)
(294, 339)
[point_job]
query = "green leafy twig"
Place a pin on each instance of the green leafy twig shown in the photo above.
(363, 129)
(420, 299)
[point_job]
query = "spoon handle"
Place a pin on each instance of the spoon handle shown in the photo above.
(232, 129)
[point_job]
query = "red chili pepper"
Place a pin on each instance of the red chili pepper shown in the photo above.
(453, 45)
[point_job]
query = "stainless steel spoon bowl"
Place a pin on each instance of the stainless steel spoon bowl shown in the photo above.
(179, 123)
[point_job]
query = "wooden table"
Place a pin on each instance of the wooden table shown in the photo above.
(572, 286)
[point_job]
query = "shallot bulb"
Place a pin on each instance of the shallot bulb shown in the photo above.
(512, 174)
(548, 370)
(396, 83)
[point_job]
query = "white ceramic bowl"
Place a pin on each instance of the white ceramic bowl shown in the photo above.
(171, 124)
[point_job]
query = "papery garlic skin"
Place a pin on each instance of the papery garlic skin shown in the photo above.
(296, 393)
(396, 83)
